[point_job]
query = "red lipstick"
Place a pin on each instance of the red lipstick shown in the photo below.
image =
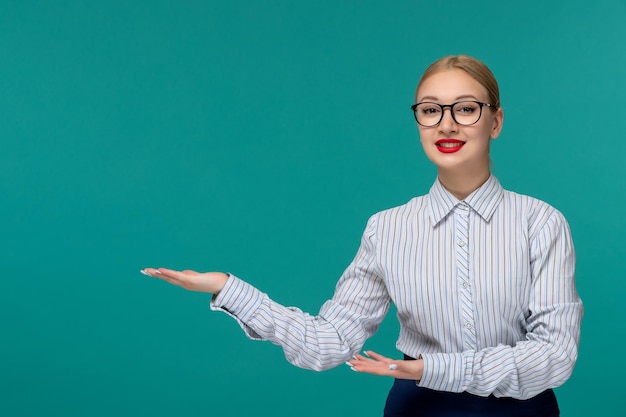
(449, 145)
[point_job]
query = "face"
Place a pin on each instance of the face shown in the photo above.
(450, 146)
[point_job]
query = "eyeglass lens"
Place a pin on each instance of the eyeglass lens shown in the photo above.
(464, 113)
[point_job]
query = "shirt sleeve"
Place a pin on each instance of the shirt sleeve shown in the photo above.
(546, 358)
(333, 336)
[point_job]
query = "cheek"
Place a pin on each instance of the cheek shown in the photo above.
(423, 133)
(483, 131)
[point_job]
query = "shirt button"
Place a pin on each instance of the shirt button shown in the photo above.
(468, 326)
(465, 285)
(461, 243)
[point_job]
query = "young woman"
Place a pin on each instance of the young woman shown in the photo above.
(482, 278)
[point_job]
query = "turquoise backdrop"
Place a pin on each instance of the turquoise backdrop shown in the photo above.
(257, 137)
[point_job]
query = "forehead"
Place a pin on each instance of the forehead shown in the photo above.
(450, 85)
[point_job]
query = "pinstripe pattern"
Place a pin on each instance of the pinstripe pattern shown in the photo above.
(498, 314)
(464, 287)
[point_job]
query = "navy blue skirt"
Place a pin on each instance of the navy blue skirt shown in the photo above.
(406, 399)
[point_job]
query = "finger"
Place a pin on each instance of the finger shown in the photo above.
(168, 276)
(388, 362)
(360, 359)
(376, 356)
(376, 364)
(377, 368)
(151, 272)
(179, 275)
(372, 359)
(163, 273)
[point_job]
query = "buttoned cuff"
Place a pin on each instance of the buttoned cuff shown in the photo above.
(447, 371)
(239, 300)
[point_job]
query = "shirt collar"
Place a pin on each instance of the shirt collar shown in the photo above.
(483, 200)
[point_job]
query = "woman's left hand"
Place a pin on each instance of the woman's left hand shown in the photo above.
(376, 364)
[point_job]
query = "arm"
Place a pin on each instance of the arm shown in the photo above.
(313, 342)
(544, 359)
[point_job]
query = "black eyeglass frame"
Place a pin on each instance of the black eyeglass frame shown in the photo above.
(451, 106)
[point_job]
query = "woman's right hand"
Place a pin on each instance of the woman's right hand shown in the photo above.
(211, 282)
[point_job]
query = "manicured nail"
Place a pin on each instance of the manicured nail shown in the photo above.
(145, 273)
(354, 369)
(393, 367)
(349, 364)
(156, 271)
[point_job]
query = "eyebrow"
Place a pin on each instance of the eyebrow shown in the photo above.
(463, 97)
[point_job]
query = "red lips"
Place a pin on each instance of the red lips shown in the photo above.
(449, 145)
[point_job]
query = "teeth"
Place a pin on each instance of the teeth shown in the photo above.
(450, 144)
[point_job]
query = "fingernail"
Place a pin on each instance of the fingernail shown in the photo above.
(354, 369)
(349, 364)
(393, 367)
(145, 273)
(156, 271)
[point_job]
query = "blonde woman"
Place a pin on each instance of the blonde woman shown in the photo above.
(482, 278)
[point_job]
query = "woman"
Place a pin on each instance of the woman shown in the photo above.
(482, 278)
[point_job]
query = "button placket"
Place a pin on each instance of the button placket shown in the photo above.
(462, 212)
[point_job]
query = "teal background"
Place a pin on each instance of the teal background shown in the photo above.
(257, 137)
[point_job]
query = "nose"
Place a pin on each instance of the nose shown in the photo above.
(447, 123)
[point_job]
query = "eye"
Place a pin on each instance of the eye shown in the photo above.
(465, 108)
(429, 109)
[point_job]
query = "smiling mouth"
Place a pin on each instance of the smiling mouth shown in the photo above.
(449, 145)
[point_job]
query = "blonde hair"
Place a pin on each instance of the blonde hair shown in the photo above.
(475, 68)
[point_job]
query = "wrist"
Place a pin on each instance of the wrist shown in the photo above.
(221, 278)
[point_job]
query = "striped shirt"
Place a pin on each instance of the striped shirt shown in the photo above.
(484, 291)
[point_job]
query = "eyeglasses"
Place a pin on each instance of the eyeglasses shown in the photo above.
(466, 113)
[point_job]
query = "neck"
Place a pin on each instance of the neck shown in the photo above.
(463, 184)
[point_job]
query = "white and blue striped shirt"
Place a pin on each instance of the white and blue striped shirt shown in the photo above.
(484, 290)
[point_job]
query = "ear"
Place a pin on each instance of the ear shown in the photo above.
(498, 121)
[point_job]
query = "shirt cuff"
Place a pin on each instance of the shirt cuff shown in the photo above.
(239, 300)
(447, 371)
